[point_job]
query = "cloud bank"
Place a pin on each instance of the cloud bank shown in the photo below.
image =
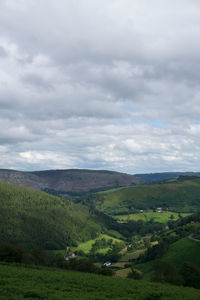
(100, 84)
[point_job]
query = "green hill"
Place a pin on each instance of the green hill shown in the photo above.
(30, 217)
(156, 177)
(27, 283)
(180, 195)
(183, 250)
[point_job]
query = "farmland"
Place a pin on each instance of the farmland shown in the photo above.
(87, 246)
(163, 217)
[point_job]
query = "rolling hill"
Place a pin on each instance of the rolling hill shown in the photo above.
(156, 177)
(30, 217)
(74, 180)
(183, 250)
(181, 195)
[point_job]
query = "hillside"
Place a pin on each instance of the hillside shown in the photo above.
(181, 195)
(75, 180)
(183, 250)
(28, 283)
(179, 252)
(156, 177)
(32, 217)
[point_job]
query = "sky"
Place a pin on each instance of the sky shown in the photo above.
(100, 84)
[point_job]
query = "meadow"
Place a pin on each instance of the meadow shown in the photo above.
(19, 283)
(87, 246)
(163, 217)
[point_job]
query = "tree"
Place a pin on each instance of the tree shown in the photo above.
(164, 271)
(146, 242)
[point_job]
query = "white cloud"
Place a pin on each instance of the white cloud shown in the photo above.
(100, 84)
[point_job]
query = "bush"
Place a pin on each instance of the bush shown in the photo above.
(10, 253)
(135, 274)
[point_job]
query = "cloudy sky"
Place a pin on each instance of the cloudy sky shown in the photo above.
(100, 84)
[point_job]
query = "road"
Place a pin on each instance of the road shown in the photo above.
(193, 239)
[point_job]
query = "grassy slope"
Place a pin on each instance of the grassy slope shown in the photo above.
(86, 246)
(177, 194)
(179, 252)
(33, 217)
(183, 250)
(26, 283)
(148, 216)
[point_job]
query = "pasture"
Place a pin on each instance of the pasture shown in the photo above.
(163, 217)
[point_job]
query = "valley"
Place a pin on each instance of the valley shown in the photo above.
(132, 231)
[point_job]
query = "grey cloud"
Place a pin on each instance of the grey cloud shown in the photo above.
(38, 82)
(2, 52)
(100, 84)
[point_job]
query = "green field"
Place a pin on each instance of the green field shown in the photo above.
(131, 255)
(87, 246)
(122, 273)
(163, 217)
(19, 283)
(180, 195)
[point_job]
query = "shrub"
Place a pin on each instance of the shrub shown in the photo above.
(11, 253)
(135, 274)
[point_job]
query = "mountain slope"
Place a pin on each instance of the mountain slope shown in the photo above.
(32, 217)
(74, 180)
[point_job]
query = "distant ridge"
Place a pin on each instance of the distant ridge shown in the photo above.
(156, 177)
(70, 180)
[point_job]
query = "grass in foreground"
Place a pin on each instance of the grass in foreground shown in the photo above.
(27, 283)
